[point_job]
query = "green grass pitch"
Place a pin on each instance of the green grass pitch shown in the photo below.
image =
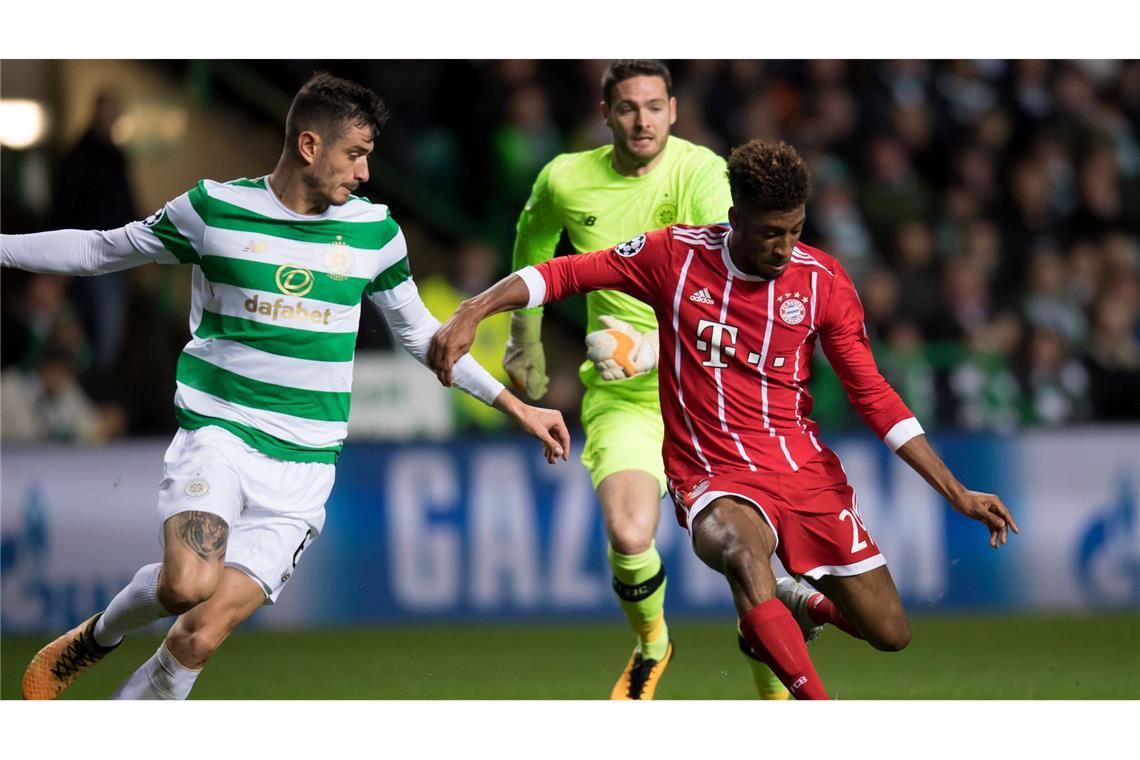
(950, 657)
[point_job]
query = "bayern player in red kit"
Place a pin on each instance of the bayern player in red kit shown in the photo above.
(740, 310)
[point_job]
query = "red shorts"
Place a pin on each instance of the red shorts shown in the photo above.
(813, 512)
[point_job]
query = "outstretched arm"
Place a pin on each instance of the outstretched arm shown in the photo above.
(75, 252)
(413, 326)
(845, 342)
(986, 508)
(634, 267)
(455, 338)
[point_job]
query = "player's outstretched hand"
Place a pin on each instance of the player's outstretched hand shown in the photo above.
(987, 508)
(620, 352)
(449, 344)
(546, 425)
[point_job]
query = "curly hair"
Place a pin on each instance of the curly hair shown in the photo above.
(619, 71)
(768, 177)
(327, 105)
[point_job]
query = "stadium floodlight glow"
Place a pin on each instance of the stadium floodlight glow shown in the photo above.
(23, 123)
(124, 129)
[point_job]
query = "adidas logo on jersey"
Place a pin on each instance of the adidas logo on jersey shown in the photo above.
(702, 296)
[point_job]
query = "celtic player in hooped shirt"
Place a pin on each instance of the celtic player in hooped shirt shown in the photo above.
(741, 310)
(281, 264)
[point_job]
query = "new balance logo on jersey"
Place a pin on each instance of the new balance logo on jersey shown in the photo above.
(702, 296)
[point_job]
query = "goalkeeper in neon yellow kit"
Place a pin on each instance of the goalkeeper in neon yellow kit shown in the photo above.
(644, 180)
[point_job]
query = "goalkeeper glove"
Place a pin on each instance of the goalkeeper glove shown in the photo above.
(524, 359)
(620, 352)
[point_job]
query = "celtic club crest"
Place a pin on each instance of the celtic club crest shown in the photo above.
(338, 259)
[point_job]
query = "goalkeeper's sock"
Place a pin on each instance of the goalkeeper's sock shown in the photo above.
(822, 610)
(775, 637)
(767, 684)
(639, 582)
(132, 608)
(160, 677)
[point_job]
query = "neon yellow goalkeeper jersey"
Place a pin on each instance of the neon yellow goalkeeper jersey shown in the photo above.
(598, 207)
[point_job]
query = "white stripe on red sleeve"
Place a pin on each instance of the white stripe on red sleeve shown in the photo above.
(902, 432)
(535, 283)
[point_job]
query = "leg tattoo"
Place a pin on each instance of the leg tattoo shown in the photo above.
(203, 532)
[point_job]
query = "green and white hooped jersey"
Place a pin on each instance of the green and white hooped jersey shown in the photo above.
(275, 310)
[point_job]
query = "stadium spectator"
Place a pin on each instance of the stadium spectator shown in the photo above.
(838, 221)
(893, 193)
(986, 393)
(524, 142)
(1113, 354)
(37, 317)
(248, 473)
(1048, 302)
(93, 192)
(907, 367)
(46, 403)
(1056, 384)
(917, 271)
(976, 173)
(747, 480)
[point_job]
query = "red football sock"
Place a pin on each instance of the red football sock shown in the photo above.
(775, 637)
(822, 610)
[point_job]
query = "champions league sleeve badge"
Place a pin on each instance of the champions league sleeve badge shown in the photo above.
(630, 247)
(155, 218)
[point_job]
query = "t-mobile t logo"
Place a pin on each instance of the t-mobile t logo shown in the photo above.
(717, 341)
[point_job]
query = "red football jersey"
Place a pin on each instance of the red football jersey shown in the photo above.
(736, 348)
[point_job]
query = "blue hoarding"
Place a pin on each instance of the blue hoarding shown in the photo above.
(488, 530)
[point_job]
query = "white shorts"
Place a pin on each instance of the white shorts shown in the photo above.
(274, 509)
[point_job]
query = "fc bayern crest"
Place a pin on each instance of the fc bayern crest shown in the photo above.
(630, 247)
(793, 308)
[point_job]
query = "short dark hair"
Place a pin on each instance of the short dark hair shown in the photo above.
(768, 177)
(619, 71)
(327, 105)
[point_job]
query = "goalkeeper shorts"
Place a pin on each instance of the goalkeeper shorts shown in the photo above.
(621, 436)
(274, 509)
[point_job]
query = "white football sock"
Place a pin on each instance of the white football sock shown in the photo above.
(132, 608)
(160, 677)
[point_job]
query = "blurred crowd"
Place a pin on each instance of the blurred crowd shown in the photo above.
(989, 212)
